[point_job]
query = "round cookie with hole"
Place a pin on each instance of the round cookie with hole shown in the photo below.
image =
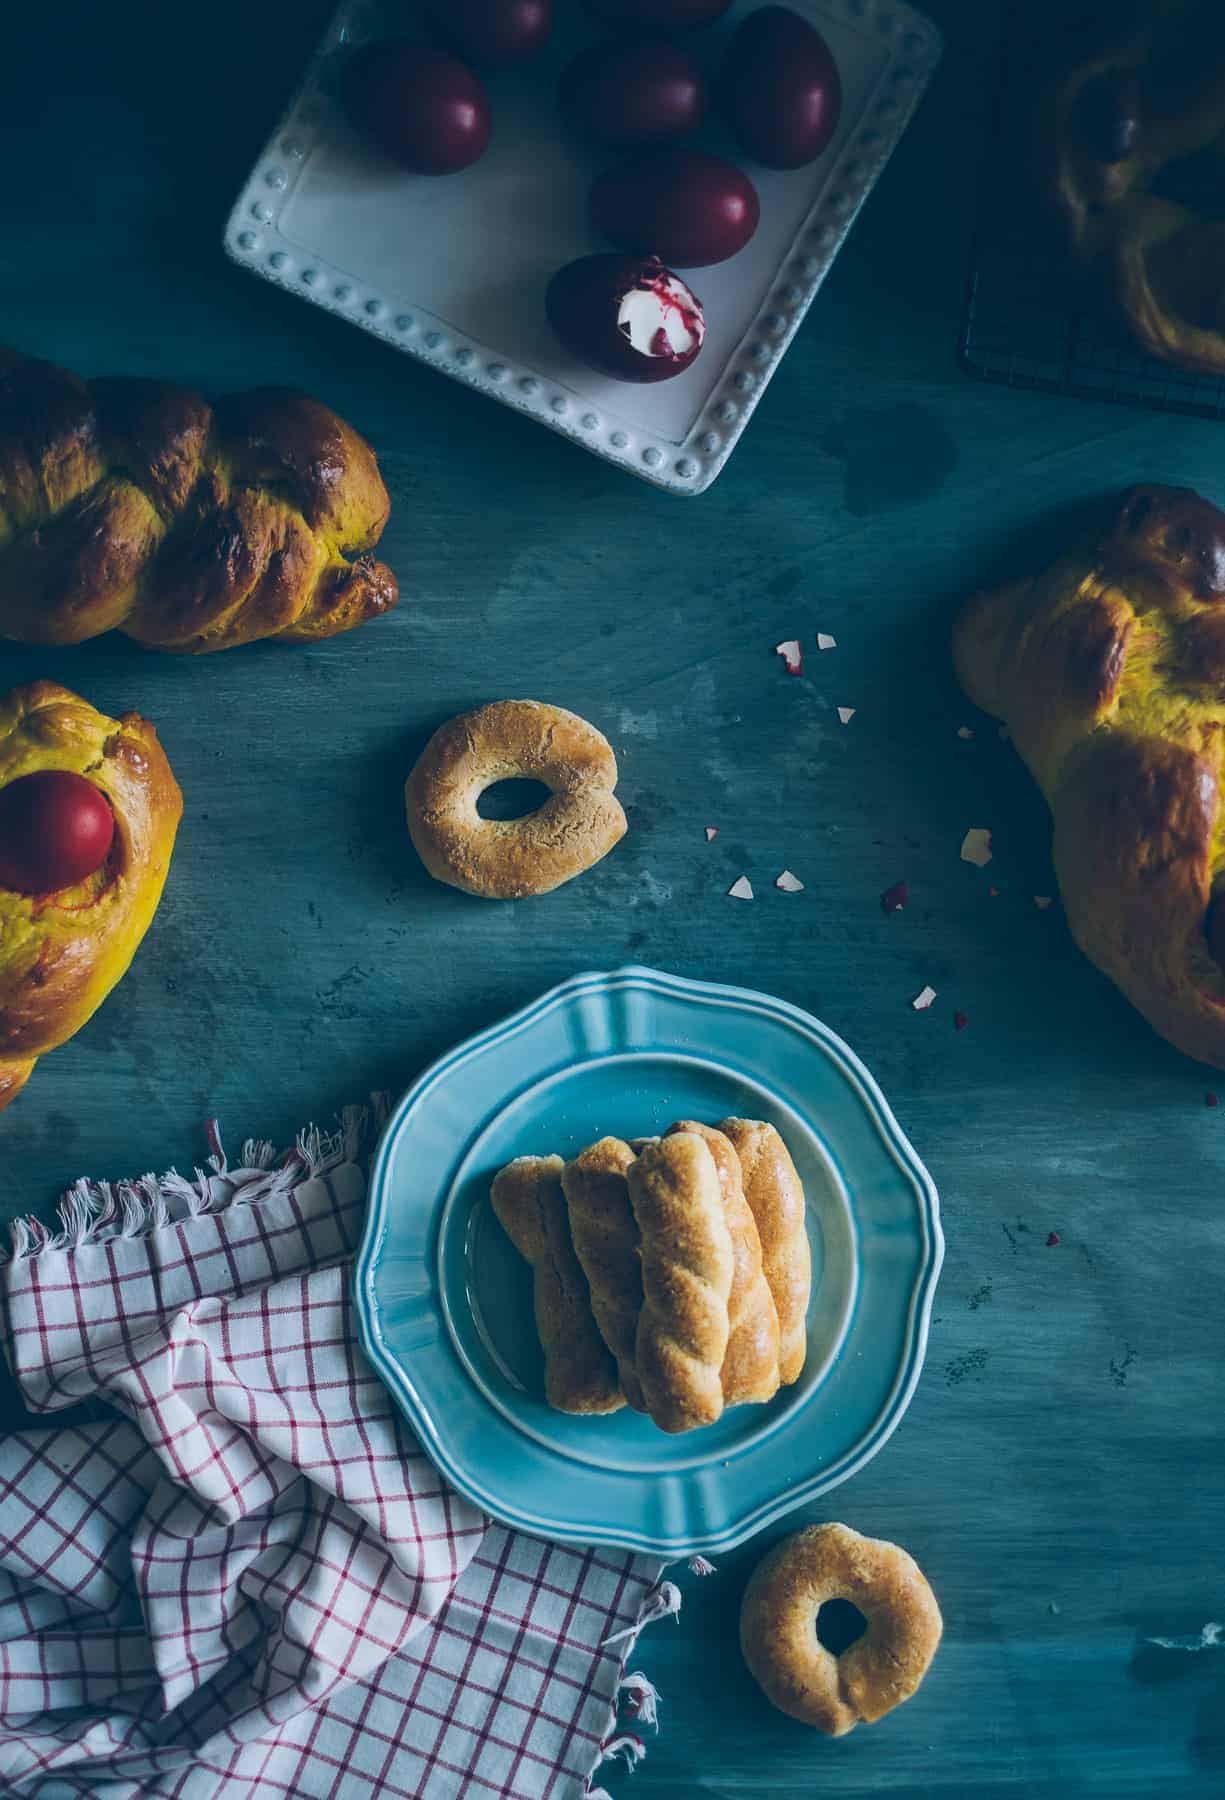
(521, 741)
(838, 1629)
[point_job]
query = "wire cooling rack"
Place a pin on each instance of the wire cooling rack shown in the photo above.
(1030, 319)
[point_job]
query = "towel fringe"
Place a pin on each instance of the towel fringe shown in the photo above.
(627, 1744)
(640, 1697)
(93, 1212)
(662, 1602)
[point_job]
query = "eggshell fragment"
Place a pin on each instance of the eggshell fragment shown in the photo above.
(976, 846)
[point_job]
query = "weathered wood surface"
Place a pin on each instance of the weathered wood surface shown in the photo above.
(1060, 1473)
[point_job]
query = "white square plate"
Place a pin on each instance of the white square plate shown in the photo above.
(453, 269)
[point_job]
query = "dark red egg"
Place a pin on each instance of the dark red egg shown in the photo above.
(780, 88)
(496, 33)
(627, 316)
(686, 206)
(424, 108)
(55, 829)
(663, 15)
(632, 91)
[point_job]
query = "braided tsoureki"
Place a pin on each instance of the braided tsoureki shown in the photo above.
(1109, 670)
(1150, 96)
(136, 506)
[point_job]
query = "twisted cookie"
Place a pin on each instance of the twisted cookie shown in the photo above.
(136, 506)
(605, 1236)
(750, 1364)
(579, 1375)
(876, 1672)
(687, 1268)
(508, 859)
(776, 1200)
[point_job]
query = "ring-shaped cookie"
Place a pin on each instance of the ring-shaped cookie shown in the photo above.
(778, 1627)
(507, 859)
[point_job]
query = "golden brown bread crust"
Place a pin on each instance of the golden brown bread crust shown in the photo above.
(1108, 128)
(1109, 669)
(508, 859)
(135, 506)
(579, 1373)
(605, 1237)
(750, 1364)
(61, 954)
(687, 1267)
(775, 1197)
(880, 1669)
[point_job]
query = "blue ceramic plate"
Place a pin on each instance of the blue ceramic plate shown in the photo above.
(445, 1303)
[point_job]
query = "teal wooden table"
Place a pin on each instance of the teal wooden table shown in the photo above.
(1060, 1475)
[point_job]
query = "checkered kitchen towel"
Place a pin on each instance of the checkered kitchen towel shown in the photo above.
(246, 1578)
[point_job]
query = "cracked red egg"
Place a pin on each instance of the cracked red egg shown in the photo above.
(628, 316)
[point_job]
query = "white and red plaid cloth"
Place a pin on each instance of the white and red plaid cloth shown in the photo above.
(244, 1576)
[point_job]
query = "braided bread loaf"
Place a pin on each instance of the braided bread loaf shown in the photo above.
(750, 1364)
(62, 953)
(136, 506)
(1109, 669)
(1151, 93)
(687, 1267)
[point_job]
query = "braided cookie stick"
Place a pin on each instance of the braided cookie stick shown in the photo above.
(579, 1376)
(606, 1244)
(776, 1200)
(750, 1367)
(687, 1267)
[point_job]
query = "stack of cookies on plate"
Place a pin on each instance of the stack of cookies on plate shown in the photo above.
(671, 1274)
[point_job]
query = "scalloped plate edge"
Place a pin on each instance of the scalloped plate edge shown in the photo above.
(918, 1317)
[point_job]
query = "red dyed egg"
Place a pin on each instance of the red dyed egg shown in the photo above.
(780, 88)
(494, 32)
(55, 829)
(631, 92)
(627, 316)
(685, 206)
(425, 109)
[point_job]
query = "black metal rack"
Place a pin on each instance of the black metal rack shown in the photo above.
(1028, 319)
